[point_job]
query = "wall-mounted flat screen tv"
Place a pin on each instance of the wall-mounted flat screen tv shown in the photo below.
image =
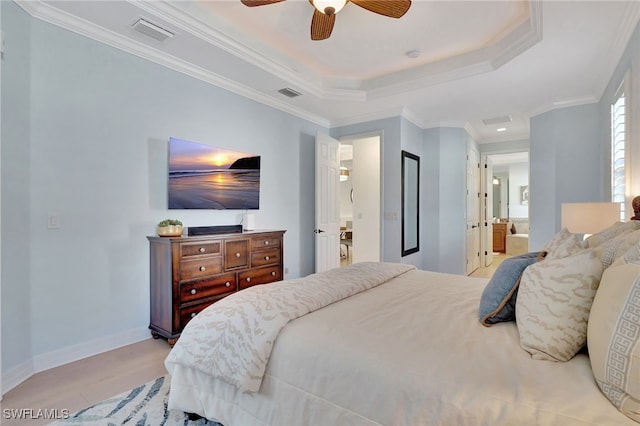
(202, 176)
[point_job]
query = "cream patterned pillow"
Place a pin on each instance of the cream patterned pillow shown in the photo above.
(553, 305)
(630, 256)
(614, 338)
(617, 247)
(611, 232)
(563, 244)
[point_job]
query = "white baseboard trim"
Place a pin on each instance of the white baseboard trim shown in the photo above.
(17, 375)
(58, 357)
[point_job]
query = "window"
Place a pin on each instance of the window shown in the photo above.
(618, 145)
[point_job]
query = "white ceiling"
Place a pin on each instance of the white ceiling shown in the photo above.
(477, 60)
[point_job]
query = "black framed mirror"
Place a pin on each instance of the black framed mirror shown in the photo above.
(410, 203)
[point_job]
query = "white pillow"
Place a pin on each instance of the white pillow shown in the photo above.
(632, 255)
(618, 247)
(552, 308)
(611, 232)
(562, 244)
(614, 337)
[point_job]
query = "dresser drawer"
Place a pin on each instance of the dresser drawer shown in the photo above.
(236, 254)
(259, 276)
(200, 268)
(191, 311)
(216, 286)
(201, 248)
(265, 241)
(264, 257)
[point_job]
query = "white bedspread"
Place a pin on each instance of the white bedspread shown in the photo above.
(408, 352)
(232, 339)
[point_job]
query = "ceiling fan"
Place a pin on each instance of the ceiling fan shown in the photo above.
(324, 14)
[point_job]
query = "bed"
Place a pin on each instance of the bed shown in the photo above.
(408, 347)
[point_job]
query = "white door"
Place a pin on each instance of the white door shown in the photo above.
(327, 208)
(473, 211)
(487, 211)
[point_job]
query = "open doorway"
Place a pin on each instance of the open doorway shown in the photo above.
(360, 200)
(507, 188)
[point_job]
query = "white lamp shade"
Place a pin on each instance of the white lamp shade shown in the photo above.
(589, 218)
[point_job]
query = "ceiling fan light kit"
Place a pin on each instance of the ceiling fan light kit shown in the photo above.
(325, 11)
(329, 7)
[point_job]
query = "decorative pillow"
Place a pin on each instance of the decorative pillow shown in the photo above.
(611, 232)
(563, 244)
(617, 247)
(498, 301)
(553, 305)
(614, 338)
(630, 256)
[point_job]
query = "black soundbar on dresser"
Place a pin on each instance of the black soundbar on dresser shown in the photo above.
(212, 230)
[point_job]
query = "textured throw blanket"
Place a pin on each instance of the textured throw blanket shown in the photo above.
(232, 339)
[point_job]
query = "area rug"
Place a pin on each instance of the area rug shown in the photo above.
(145, 405)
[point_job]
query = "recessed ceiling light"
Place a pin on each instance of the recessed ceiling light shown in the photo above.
(501, 129)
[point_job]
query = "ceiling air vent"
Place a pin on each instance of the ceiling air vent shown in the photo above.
(497, 120)
(290, 93)
(152, 30)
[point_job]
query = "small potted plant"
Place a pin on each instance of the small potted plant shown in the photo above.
(169, 228)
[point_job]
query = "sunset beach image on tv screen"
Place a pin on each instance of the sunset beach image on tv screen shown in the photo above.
(202, 176)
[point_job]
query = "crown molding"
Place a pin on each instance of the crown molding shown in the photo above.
(305, 80)
(52, 15)
(623, 35)
(564, 104)
(480, 61)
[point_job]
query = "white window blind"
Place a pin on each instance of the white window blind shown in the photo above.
(618, 142)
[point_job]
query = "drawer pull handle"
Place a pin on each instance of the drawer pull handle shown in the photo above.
(267, 258)
(227, 284)
(202, 249)
(238, 254)
(273, 273)
(193, 291)
(266, 243)
(202, 269)
(193, 314)
(248, 279)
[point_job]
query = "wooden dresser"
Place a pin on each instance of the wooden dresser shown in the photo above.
(190, 273)
(499, 237)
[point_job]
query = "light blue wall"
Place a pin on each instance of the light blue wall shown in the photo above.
(570, 152)
(16, 176)
(85, 137)
(445, 152)
(413, 142)
(565, 166)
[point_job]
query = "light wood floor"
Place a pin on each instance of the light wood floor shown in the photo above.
(489, 270)
(83, 383)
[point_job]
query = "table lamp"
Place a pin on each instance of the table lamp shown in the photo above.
(589, 218)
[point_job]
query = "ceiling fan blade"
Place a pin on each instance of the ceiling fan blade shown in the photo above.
(391, 8)
(321, 25)
(252, 3)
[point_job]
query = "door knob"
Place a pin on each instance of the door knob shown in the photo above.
(317, 231)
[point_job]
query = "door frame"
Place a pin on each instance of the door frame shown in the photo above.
(498, 152)
(354, 139)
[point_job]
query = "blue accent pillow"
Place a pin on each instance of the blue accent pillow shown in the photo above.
(498, 301)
